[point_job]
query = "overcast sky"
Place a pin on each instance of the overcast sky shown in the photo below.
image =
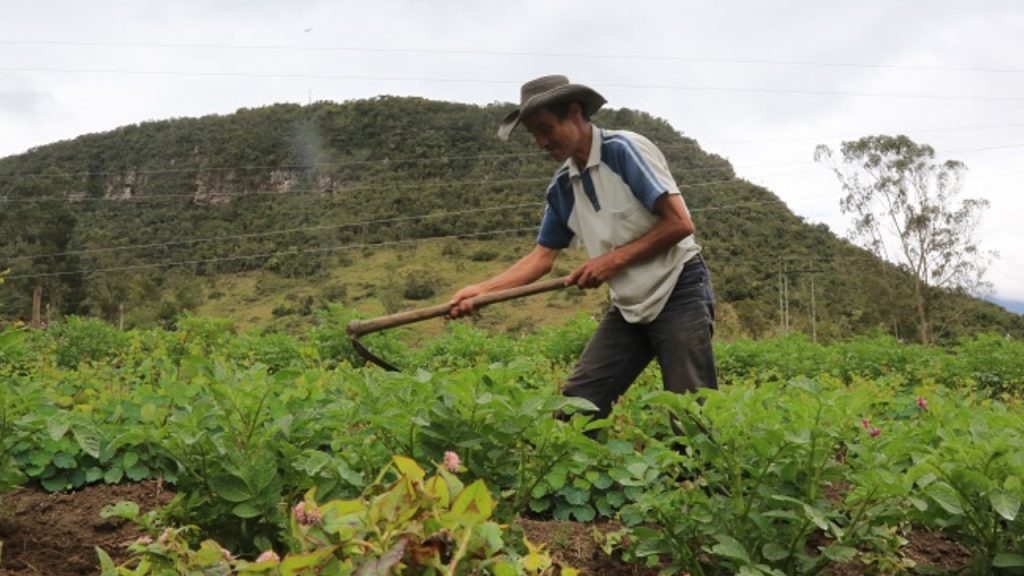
(760, 83)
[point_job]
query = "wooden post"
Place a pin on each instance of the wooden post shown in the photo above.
(120, 316)
(814, 314)
(37, 305)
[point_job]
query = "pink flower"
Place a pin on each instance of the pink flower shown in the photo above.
(164, 537)
(875, 432)
(451, 461)
(313, 516)
(306, 516)
(268, 556)
(228, 556)
(865, 423)
(922, 403)
(144, 539)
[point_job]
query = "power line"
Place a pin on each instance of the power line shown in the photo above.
(528, 54)
(673, 87)
(219, 195)
(272, 232)
(370, 187)
(272, 254)
(846, 136)
(292, 166)
(498, 156)
(340, 226)
(355, 224)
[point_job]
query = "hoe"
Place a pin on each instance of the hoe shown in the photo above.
(358, 328)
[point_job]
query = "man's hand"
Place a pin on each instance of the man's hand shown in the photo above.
(461, 303)
(595, 271)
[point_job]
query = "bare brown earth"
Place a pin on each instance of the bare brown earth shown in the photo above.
(56, 535)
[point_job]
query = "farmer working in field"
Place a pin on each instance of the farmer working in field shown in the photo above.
(615, 191)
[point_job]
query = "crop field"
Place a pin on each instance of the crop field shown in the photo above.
(287, 455)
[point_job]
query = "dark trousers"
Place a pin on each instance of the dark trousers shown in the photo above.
(680, 337)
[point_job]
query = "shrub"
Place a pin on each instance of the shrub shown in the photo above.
(86, 339)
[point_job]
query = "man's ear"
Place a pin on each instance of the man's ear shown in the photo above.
(575, 110)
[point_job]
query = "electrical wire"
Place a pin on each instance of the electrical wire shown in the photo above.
(671, 87)
(271, 254)
(528, 54)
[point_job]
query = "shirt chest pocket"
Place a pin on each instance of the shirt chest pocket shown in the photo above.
(628, 222)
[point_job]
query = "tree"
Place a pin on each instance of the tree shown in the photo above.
(906, 211)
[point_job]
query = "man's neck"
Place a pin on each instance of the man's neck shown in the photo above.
(581, 155)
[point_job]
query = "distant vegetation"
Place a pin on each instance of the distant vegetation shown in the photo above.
(148, 221)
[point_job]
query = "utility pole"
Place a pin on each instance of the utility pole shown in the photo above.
(37, 305)
(814, 315)
(784, 273)
(782, 304)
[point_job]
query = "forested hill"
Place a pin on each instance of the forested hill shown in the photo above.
(154, 217)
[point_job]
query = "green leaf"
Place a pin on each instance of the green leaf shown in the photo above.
(816, 516)
(1006, 504)
(504, 568)
(57, 427)
(731, 548)
(583, 513)
(945, 496)
(1008, 560)
(312, 462)
(620, 447)
(246, 510)
(124, 509)
(64, 460)
(137, 473)
(129, 459)
(774, 551)
(409, 468)
(474, 504)
(231, 488)
(113, 475)
(296, 564)
(88, 440)
(55, 483)
(575, 496)
(107, 567)
(93, 474)
(616, 499)
(839, 553)
(382, 566)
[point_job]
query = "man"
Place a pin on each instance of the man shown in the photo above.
(615, 192)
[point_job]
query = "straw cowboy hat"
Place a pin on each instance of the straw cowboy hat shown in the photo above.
(545, 91)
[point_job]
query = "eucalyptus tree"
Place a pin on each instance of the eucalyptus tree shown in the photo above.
(907, 210)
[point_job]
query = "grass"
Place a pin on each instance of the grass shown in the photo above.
(371, 281)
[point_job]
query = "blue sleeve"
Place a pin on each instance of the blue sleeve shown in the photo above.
(554, 230)
(642, 167)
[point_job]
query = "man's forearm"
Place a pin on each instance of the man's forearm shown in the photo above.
(528, 269)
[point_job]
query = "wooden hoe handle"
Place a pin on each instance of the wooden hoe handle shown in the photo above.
(357, 328)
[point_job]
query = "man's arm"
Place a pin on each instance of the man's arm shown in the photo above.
(673, 225)
(529, 268)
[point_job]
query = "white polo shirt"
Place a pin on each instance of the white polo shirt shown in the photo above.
(610, 203)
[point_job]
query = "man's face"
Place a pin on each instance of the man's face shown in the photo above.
(559, 137)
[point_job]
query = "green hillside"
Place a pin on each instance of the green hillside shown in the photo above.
(266, 214)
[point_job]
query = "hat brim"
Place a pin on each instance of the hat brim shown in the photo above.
(586, 96)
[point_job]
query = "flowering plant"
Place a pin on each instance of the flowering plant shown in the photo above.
(414, 524)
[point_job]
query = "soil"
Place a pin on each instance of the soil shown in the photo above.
(56, 535)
